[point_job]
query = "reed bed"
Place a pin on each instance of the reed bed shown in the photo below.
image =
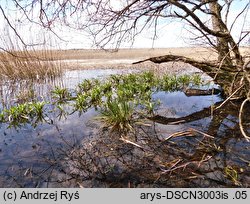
(20, 65)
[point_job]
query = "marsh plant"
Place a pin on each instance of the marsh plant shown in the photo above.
(61, 95)
(120, 99)
(118, 115)
(18, 63)
(32, 112)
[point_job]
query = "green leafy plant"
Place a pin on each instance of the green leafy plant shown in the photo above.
(118, 115)
(81, 103)
(61, 94)
(120, 99)
(95, 96)
(2, 117)
(85, 86)
(37, 110)
(196, 79)
(18, 114)
(184, 80)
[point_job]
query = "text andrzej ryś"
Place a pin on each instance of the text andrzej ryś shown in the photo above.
(61, 195)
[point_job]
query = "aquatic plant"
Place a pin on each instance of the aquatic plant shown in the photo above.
(119, 97)
(106, 88)
(118, 115)
(17, 115)
(81, 103)
(37, 110)
(173, 83)
(169, 83)
(184, 80)
(61, 94)
(196, 79)
(2, 117)
(31, 112)
(232, 174)
(85, 86)
(95, 96)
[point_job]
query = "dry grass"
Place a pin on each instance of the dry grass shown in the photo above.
(92, 59)
(23, 65)
(77, 54)
(45, 63)
(18, 62)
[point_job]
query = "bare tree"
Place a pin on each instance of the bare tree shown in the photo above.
(114, 21)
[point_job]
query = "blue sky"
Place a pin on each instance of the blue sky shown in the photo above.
(170, 34)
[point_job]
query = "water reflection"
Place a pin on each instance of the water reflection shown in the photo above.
(31, 156)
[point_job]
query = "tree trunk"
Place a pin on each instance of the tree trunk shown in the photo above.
(222, 43)
(225, 45)
(228, 72)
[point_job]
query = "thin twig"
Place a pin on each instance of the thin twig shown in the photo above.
(186, 164)
(179, 134)
(240, 120)
(203, 133)
(228, 98)
(130, 142)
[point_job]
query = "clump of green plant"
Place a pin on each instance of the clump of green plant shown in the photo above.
(196, 79)
(169, 83)
(125, 96)
(2, 117)
(173, 83)
(18, 114)
(31, 112)
(96, 96)
(85, 86)
(118, 98)
(184, 80)
(81, 103)
(38, 110)
(61, 94)
(118, 115)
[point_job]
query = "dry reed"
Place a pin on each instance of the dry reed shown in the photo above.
(21, 63)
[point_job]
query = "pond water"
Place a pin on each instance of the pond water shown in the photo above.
(30, 156)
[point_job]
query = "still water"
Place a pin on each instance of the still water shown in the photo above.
(30, 156)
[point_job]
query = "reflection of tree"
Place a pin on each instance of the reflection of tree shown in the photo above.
(189, 158)
(148, 158)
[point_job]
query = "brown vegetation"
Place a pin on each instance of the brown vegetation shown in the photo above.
(24, 65)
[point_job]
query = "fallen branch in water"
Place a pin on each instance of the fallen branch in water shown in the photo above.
(206, 112)
(228, 98)
(130, 142)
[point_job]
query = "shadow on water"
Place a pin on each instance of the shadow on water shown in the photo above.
(60, 153)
